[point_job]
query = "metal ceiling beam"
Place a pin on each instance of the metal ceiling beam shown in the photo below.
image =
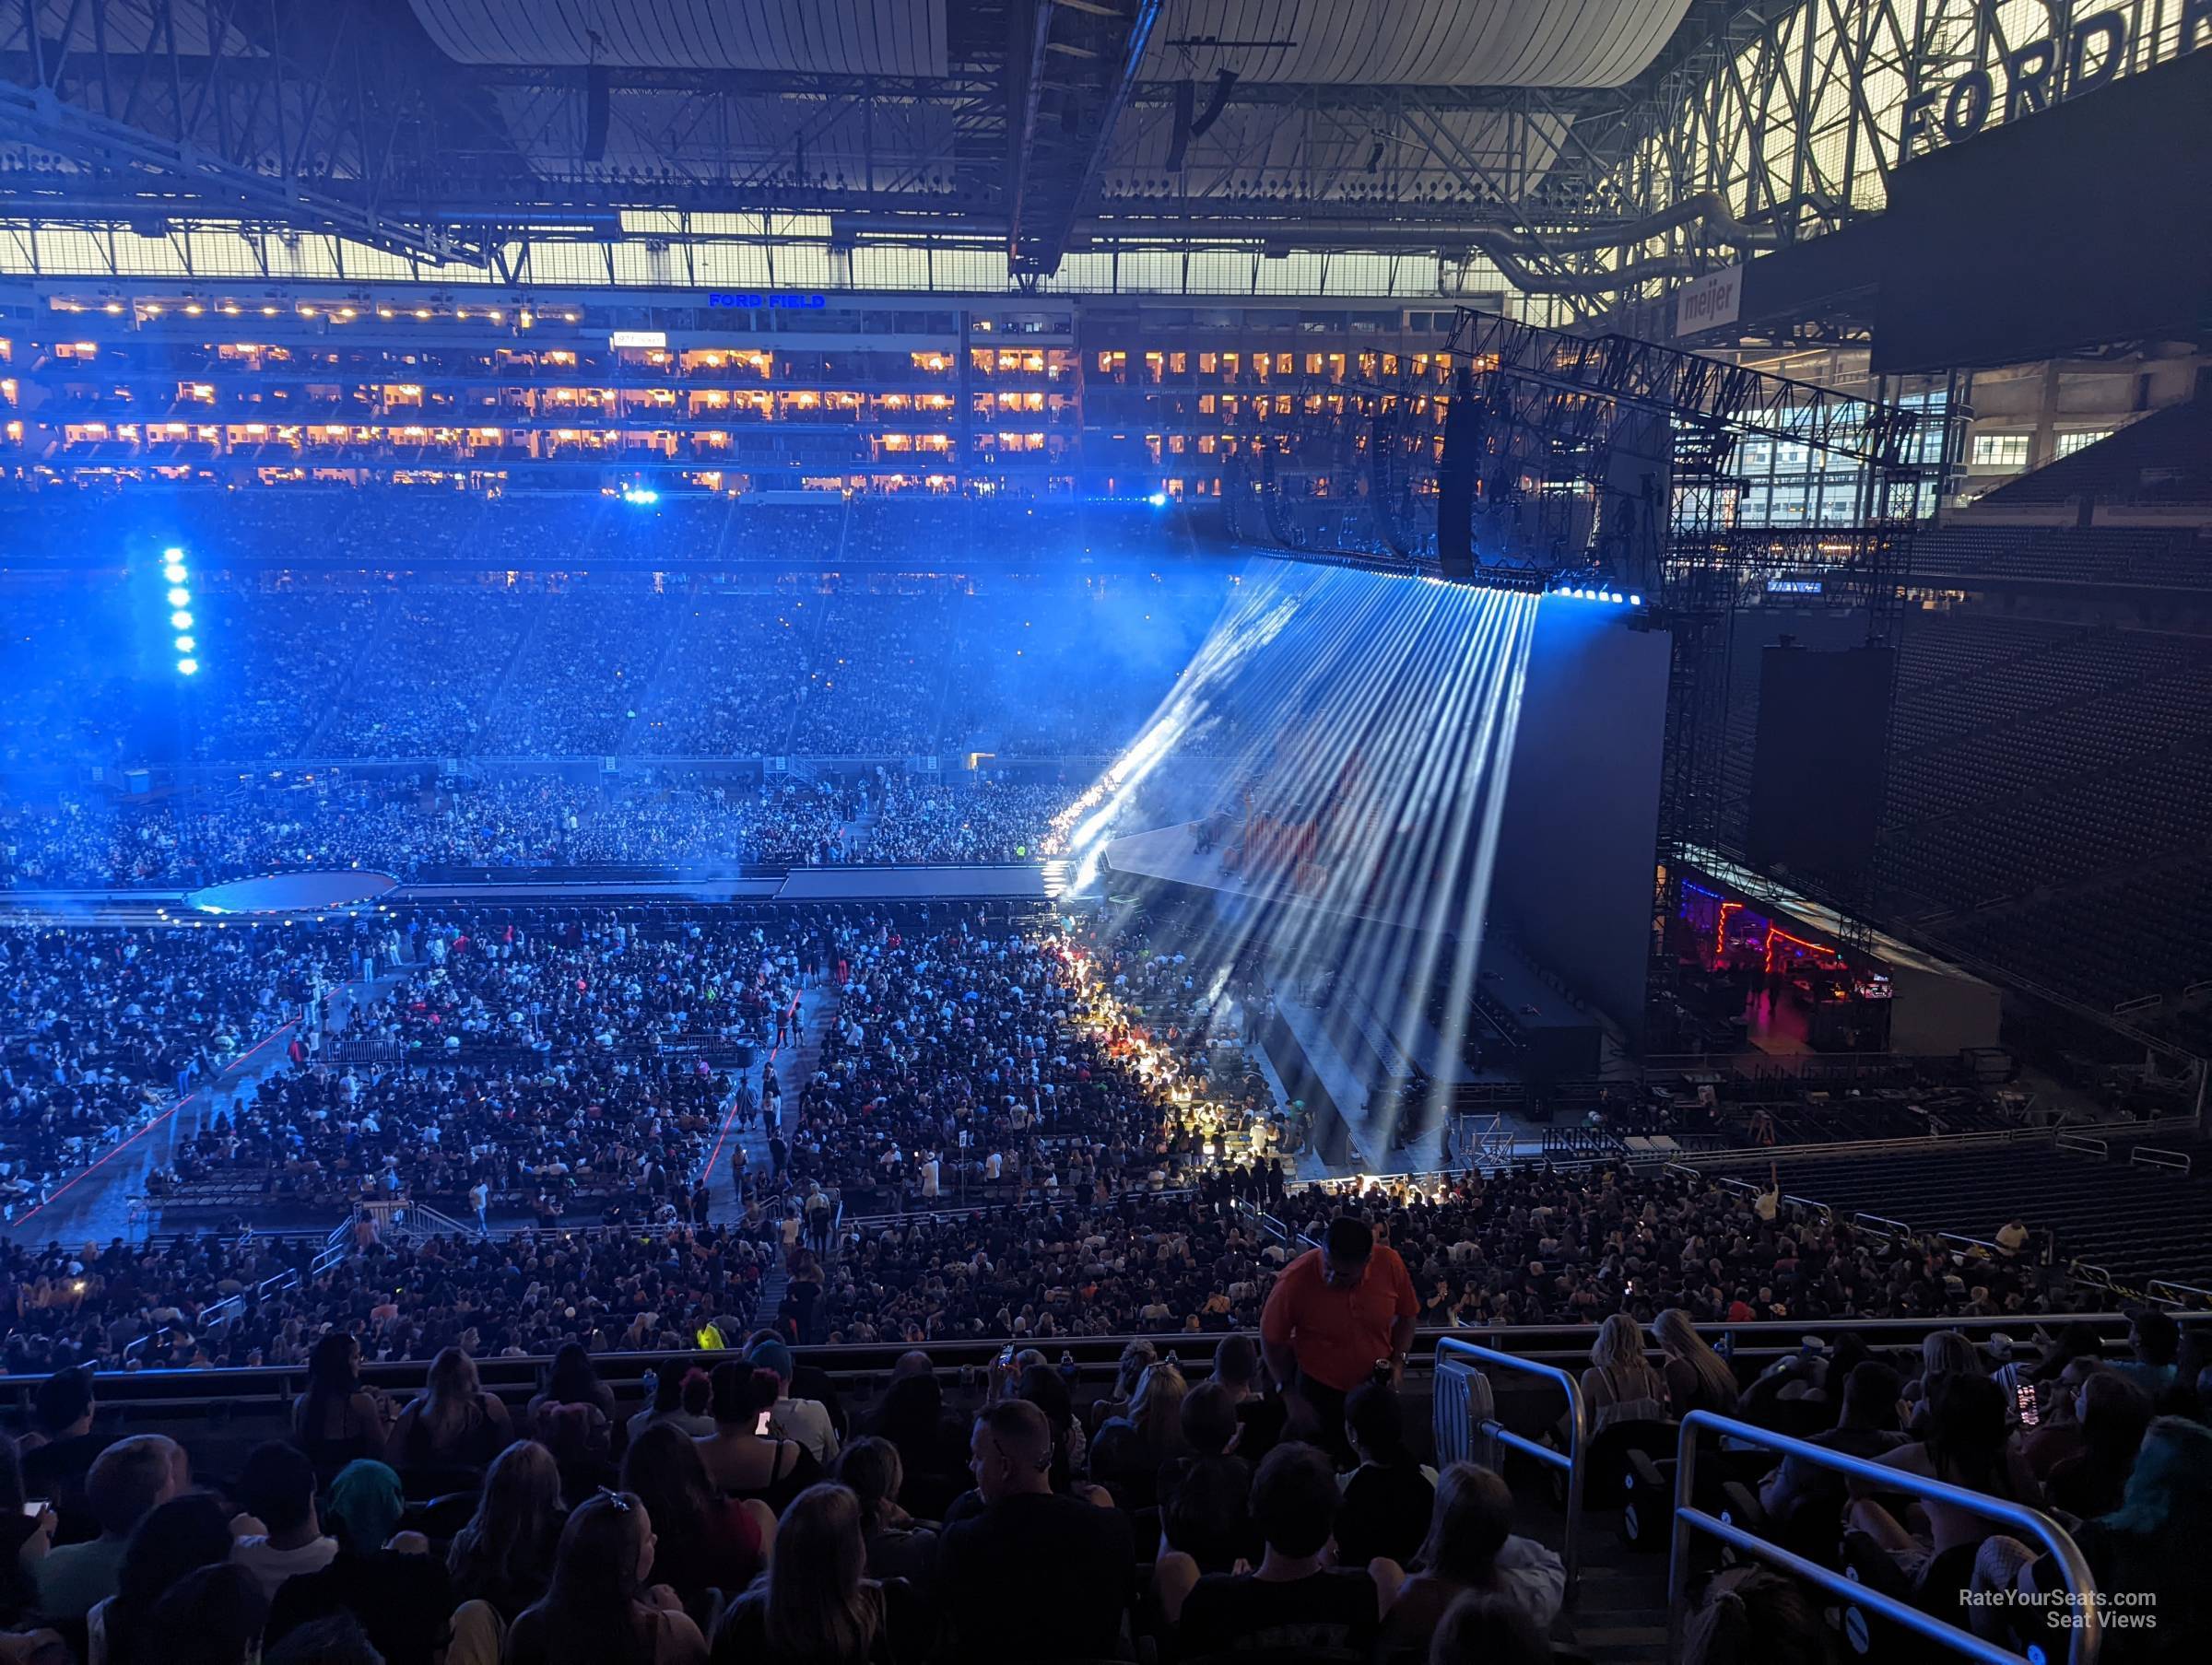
(1068, 80)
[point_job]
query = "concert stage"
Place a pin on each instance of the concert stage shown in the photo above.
(293, 893)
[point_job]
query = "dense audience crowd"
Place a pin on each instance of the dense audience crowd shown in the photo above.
(177, 1304)
(99, 1028)
(347, 663)
(995, 1055)
(405, 828)
(1210, 1503)
(998, 820)
(550, 1057)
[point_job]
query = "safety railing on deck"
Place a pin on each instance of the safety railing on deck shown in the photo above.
(2082, 1612)
(2178, 1162)
(2167, 1292)
(1456, 1424)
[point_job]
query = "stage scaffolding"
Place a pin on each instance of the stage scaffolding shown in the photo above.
(1610, 460)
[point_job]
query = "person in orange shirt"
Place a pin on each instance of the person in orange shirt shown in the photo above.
(1337, 1317)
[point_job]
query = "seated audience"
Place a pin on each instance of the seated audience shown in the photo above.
(453, 1422)
(504, 1555)
(1127, 1452)
(337, 1421)
(708, 1541)
(213, 1615)
(744, 1458)
(1469, 1548)
(602, 1608)
(899, 1546)
(1698, 1379)
(177, 1538)
(1296, 1600)
(1205, 1494)
(1621, 1384)
(279, 1535)
(677, 1386)
(2113, 1414)
(1797, 1489)
(816, 1605)
(385, 1577)
(805, 1421)
(1031, 1573)
(1388, 1498)
(1483, 1628)
(127, 1481)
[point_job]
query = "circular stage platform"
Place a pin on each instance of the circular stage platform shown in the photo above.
(292, 892)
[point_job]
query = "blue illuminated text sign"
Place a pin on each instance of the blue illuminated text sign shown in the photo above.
(754, 303)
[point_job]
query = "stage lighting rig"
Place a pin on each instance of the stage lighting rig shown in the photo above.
(177, 574)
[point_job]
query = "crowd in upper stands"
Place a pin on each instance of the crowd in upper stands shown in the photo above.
(405, 828)
(351, 665)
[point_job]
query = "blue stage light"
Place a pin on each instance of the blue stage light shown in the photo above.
(174, 572)
(173, 553)
(1159, 499)
(180, 620)
(180, 597)
(1617, 598)
(185, 644)
(1635, 601)
(640, 495)
(188, 667)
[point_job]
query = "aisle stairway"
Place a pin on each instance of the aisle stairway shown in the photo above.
(795, 1065)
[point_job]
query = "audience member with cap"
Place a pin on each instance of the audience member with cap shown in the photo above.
(806, 1422)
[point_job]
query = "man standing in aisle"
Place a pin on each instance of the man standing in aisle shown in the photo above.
(1337, 1317)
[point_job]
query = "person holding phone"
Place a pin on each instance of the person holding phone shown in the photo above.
(741, 1461)
(128, 1481)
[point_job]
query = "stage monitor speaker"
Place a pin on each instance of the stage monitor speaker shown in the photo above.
(1817, 774)
(1456, 480)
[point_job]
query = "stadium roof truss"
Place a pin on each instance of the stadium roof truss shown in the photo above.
(1582, 148)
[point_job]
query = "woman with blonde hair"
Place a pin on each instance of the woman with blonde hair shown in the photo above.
(816, 1605)
(453, 1422)
(1621, 1384)
(1136, 1358)
(1130, 1448)
(1698, 1379)
(504, 1555)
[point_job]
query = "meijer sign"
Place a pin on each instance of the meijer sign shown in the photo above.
(1713, 300)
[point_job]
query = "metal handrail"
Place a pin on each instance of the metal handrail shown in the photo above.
(1983, 1244)
(1881, 1221)
(2179, 1295)
(2081, 1586)
(2150, 1155)
(2081, 1144)
(1450, 1348)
